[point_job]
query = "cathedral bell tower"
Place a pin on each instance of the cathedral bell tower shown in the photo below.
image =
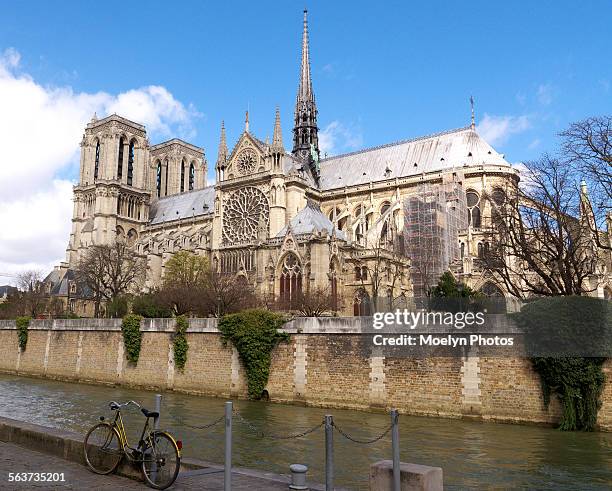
(111, 200)
(305, 130)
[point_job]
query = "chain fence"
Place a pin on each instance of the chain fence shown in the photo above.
(328, 423)
(362, 442)
(207, 426)
(262, 434)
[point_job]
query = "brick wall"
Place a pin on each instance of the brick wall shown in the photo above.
(325, 363)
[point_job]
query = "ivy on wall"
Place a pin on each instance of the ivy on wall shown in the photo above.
(132, 337)
(180, 342)
(22, 331)
(254, 333)
(566, 327)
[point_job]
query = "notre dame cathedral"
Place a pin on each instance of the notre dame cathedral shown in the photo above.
(383, 221)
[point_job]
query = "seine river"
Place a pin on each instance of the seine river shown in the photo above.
(472, 454)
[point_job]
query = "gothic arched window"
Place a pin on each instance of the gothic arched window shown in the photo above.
(191, 176)
(182, 176)
(361, 303)
(166, 178)
(290, 279)
(158, 178)
(120, 159)
(130, 175)
(384, 232)
(473, 204)
(495, 301)
(97, 161)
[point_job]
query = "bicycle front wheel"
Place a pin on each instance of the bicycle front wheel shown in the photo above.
(161, 460)
(102, 447)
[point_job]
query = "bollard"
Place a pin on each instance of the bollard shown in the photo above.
(396, 449)
(158, 399)
(227, 477)
(329, 452)
(298, 477)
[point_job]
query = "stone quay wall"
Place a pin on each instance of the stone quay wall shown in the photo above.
(323, 364)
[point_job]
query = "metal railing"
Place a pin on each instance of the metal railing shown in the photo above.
(327, 423)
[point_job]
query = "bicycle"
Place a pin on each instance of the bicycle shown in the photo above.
(158, 453)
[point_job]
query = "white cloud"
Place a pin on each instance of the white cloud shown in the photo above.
(35, 228)
(40, 131)
(336, 137)
(545, 94)
(534, 144)
(498, 129)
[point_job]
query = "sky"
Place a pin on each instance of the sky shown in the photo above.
(382, 71)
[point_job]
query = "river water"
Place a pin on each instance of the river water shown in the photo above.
(473, 455)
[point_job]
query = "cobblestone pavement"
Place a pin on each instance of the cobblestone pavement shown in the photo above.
(14, 458)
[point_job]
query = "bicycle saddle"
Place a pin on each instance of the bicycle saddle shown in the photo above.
(149, 414)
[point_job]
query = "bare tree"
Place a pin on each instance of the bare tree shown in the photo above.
(538, 245)
(379, 270)
(192, 287)
(225, 293)
(587, 146)
(315, 302)
(33, 297)
(110, 271)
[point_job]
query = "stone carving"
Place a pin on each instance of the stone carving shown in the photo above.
(246, 162)
(243, 212)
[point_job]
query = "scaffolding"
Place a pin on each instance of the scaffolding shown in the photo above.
(433, 216)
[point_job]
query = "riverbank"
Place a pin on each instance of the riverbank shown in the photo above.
(49, 450)
(472, 453)
(323, 365)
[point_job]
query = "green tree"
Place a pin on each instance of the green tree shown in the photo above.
(151, 305)
(186, 269)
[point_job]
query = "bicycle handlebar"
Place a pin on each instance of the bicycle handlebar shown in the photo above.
(114, 405)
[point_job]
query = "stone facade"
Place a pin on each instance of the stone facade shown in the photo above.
(286, 220)
(382, 222)
(323, 364)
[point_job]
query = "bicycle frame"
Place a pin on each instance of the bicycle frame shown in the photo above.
(118, 424)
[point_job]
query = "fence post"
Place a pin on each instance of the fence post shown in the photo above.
(158, 398)
(227, 477)
(329, 452)
(396, 449)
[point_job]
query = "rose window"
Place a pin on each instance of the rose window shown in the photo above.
(244, 213)
(247, 161)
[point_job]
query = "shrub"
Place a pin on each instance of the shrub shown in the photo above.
(149, 306)
(132, 337)
(180, 342)
(566, 337)
(117, 307)
(22, 331)
(254, 333)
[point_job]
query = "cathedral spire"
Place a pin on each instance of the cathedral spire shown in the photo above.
(305, 90)
(222, 155)
(473, 125)
(277, 137)
(305, 131)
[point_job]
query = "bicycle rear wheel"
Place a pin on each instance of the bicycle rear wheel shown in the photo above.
(102, 448)
(161, 460)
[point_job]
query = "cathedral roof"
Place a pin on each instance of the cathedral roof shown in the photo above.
(184, 205)
(311, 220)
(441, 151)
